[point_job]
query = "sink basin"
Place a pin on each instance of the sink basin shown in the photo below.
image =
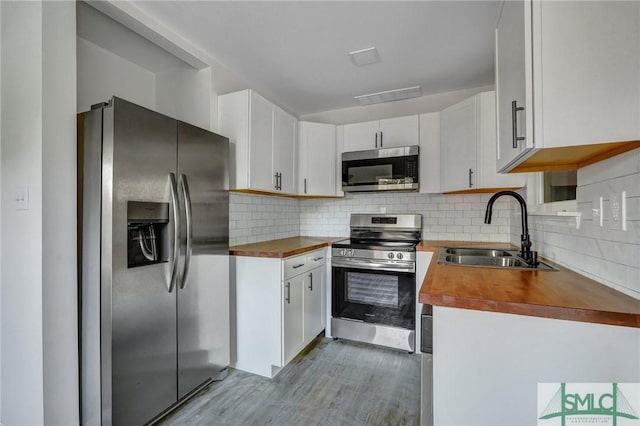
(488, 258)
(478, 252)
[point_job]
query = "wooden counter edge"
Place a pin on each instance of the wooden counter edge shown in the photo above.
(542, 311)
(279, 254)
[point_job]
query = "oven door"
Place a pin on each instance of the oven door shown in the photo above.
(374, 296)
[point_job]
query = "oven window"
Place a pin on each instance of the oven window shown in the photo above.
(369, 174)
(372, 289)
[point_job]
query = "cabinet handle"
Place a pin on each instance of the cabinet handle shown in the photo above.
(298, 266)
(470, 174)
(514, 123)
(280, 181)
(315, 259)
(376, 139)
(288, 298)
(380, 139)
(305, 185)
(276, 178)
(311, 282)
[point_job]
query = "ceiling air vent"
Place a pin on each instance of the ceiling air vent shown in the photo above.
(364, 57)
(389, 95)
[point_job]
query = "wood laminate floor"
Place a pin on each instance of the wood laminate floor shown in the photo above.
(334, 383)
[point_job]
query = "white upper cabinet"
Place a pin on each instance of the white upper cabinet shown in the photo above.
(430, 153)
(468, 147)
(284, 150)
(387, 133)
(400, 131)
(458, 145)
(317, 159)
(263, 142)
(361, 136)
(259, 173)
(567, 76)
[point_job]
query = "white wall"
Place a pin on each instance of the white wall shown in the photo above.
(39, 340)
(101, 75)
(611, 257)
(22, 342)
(59, 267)
(423, 104)
(185, 93)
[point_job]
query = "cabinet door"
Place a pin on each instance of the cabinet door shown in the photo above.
(314, 287)
(317, 159)
(260, 144)
(513, 41)
(430, 153)
(400, 131)
(292, 317)
(361, 136)
(284, 150)
(458, 146)
(487, 176)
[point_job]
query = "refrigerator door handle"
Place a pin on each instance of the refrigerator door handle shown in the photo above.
(176, 232)
(188, 212)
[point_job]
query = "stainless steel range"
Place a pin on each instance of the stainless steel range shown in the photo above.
(373, 295)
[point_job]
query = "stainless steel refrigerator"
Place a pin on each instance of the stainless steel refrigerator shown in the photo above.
(154, 268)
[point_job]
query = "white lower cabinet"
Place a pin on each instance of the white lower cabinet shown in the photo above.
(313, 290)
(279, 309)
(293, 317)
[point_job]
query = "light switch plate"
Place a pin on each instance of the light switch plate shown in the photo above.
(21, 198)
(618, 210)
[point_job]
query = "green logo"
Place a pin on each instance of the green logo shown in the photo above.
(586, 402)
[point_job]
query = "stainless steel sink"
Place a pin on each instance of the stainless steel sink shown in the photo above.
(485, 252)
(488, 258)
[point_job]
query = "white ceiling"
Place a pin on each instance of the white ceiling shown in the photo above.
(295, 53)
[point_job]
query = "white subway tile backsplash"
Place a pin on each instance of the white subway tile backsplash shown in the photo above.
(611, 257)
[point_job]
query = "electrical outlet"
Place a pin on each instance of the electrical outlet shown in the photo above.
(597, 213)
(618, 210)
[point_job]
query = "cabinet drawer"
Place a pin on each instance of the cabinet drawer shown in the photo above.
(295, 265)
(316, 258)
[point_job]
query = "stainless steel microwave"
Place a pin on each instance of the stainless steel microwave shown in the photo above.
(384, 169)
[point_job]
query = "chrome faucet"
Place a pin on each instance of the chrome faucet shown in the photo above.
(531, 257)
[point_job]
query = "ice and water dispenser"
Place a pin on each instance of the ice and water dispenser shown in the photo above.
(148, 233)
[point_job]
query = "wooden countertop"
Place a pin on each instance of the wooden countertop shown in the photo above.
(561, 294)
(284, 247)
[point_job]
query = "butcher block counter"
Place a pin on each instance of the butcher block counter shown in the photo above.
(561, 294)
(284, 247)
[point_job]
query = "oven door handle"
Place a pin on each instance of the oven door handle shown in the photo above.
(391, 266)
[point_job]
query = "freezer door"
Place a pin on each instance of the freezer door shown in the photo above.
(139, 154)
(203, 290)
